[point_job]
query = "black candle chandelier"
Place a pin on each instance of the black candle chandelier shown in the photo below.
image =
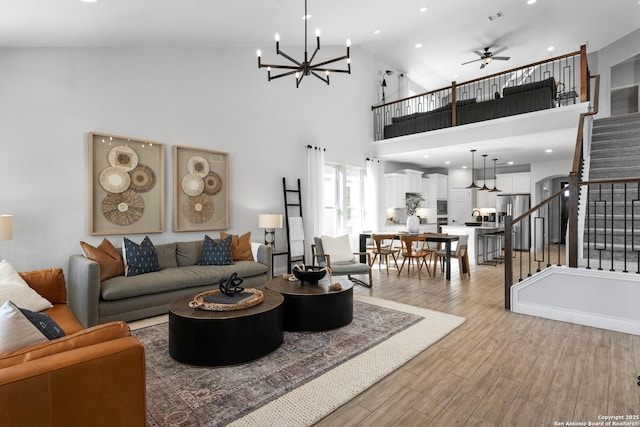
(306, 68)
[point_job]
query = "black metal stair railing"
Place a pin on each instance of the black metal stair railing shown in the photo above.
(612, 218)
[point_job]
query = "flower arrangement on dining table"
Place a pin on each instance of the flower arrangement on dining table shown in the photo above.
(412, 202)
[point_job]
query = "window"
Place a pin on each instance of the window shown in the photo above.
(343, 199)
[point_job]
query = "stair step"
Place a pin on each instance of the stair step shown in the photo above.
(610, 162)
(614, 150)
(628, 138)
(631, 117)
(614, 173)
(617, 127)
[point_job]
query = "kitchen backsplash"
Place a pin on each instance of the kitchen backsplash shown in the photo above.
(399, 216)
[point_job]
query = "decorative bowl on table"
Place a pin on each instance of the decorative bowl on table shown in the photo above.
(309, 275)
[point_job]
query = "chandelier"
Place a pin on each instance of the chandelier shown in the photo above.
(306, 67)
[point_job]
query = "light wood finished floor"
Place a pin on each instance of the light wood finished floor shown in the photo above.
(499, 368)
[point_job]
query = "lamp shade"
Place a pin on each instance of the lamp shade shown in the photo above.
(6, 227)
(270, 221)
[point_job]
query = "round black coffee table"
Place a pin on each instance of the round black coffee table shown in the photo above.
(314, 307)
(218, 338)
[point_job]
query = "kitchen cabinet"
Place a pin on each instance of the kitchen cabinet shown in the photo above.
(400, 182)
(414, 180)
(439, 186)
(395, 187)
(486, 199)
(512, 183)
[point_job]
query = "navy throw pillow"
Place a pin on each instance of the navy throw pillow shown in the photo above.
(139, 259)
(216, 252)
(44, 323)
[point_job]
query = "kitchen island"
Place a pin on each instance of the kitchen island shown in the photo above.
(474, 248)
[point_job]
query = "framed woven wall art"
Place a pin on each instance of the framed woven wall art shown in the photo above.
(126, 185)
(200, 189)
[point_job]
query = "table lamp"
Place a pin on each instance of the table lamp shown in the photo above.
(6, 227)
(270, 222)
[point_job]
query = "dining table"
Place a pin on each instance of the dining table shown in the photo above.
(429, 237)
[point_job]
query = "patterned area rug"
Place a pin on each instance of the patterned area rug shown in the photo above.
(297, 384)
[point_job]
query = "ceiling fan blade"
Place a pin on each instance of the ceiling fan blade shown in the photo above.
(477, 52)
(502, 49)
(475, 60)
(502, 58)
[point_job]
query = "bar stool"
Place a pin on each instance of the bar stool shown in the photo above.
(487, 241)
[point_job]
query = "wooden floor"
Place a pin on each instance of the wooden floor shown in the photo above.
(499, 368)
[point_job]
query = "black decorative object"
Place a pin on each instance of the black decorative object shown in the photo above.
(309, 275)
(231, 286)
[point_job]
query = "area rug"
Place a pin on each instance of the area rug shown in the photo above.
(306, 378)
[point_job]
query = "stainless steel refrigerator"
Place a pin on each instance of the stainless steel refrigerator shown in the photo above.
(515, 205)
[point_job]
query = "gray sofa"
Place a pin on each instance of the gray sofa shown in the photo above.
(145, 295)
(525, 98)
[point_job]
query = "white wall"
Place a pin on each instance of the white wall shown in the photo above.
(50, 99)
(607, 57)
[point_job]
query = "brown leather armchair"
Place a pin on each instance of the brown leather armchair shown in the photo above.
(93, 376)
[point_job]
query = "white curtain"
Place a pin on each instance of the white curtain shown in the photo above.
(371, 195)
(315, 194)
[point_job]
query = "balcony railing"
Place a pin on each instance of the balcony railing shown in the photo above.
(569, 72)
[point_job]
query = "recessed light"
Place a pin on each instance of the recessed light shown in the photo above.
(550, 48)
(418, 45)
(464, 167)
(549, 150)
(426, 156)
(510, 163)
(447, 162)
(531, 1)
(377, 31)
(424, 9)
(455, 76)
(306, 17)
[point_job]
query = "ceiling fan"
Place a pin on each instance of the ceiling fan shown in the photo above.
(486, 57)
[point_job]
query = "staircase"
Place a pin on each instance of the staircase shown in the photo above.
(615, 154)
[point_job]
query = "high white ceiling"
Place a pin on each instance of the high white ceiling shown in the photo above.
(450, 30)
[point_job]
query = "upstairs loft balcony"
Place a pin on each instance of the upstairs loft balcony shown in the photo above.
(545, 85)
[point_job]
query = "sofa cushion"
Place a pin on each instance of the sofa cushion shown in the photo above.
(189, 253)
(549, 83)
(86, 337)
(107, 256)
(216, 252)
(338, 249)
(14, 288)
(48, 283)
(240, 246)
(45, 324)
(139, 259)
(16, 331)
(166, 255)
(177, 278)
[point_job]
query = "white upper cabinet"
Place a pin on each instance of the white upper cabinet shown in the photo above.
(511, 183)
(486, 199)
(439, 186)
(395, 187)
(414, 180)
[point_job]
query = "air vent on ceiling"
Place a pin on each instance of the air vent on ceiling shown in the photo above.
(496, 16)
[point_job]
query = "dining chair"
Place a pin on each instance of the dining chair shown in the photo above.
(414, 247)
(384, 249)
(459, 252)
